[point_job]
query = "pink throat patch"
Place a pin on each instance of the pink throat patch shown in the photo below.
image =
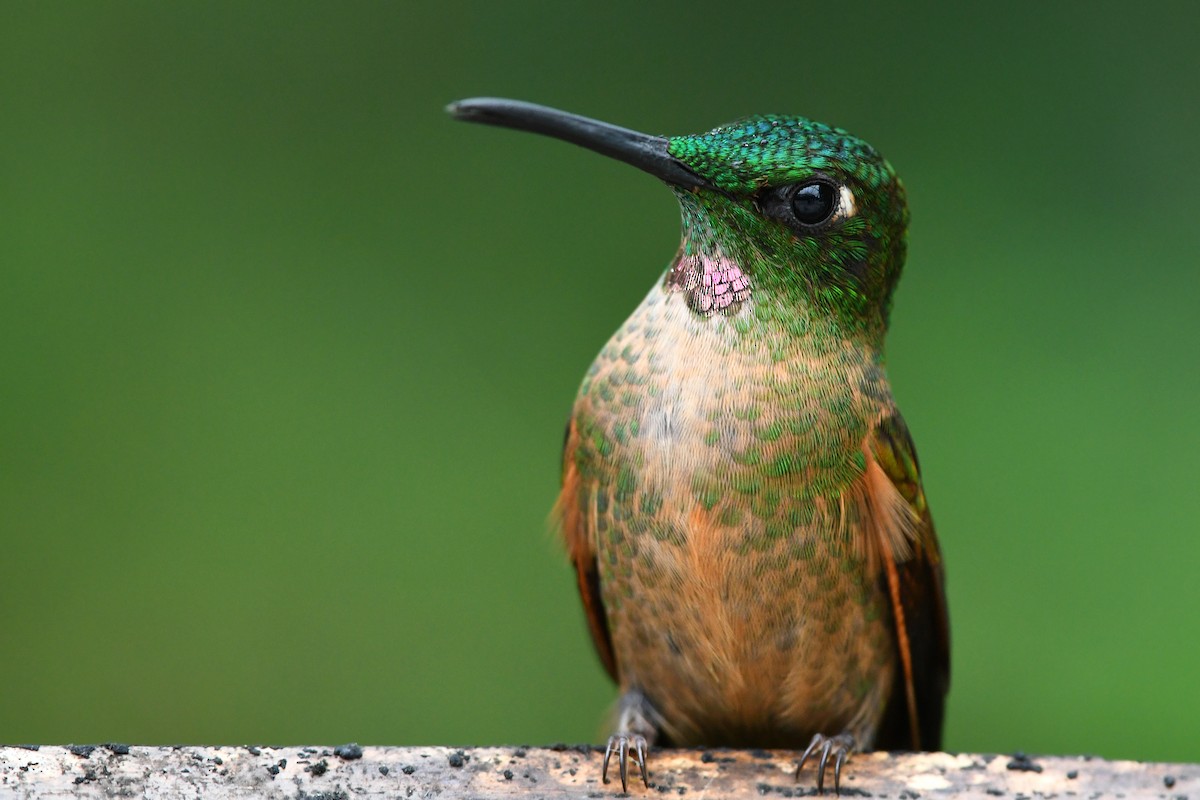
(713, 283)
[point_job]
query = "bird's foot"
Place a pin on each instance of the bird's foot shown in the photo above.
(638, 726)
(622, 744)
(840, 747)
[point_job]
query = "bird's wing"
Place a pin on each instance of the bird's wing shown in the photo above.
(570, 511)
(913, 579)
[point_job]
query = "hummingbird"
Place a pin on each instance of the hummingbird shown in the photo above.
(741, 498)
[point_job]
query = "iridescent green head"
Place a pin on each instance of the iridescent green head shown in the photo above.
(785, 210)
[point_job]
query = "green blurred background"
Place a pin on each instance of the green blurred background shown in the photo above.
(286, 353)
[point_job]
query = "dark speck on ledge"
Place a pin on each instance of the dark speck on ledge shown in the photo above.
(383, 770)
(457, 758)
(82, 750)
(1168, 781)
(1023, 763)
(760, 754)
(408, 769)
(1073, 774)
(318, 769)
(508, 775)
(87, 777)
(254, 751)
(118, 749)
(348, 751)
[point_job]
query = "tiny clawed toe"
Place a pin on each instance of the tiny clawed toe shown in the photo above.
(621, 744)
(840, 746)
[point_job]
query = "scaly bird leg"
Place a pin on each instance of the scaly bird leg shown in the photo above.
(635, 733)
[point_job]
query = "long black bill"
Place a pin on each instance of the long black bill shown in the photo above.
(648, 153)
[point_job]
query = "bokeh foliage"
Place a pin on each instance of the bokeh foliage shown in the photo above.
(286, 353)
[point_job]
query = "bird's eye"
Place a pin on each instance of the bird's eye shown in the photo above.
(814, 202)
(809, 206)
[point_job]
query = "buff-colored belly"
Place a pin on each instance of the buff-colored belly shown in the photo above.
(740, 643)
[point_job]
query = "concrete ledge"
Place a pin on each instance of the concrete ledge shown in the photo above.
(351, 772)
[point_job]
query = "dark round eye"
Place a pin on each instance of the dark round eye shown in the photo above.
(814, 202)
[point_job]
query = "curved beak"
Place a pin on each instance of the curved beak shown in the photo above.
(647, 153)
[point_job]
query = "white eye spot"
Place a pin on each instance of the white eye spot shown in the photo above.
(846, 206)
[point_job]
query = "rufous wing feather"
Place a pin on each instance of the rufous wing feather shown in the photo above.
(913, 578)
(571, 512)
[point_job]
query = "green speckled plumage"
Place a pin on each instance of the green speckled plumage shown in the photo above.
(769, 149)
(740, 495)
(752, 436)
